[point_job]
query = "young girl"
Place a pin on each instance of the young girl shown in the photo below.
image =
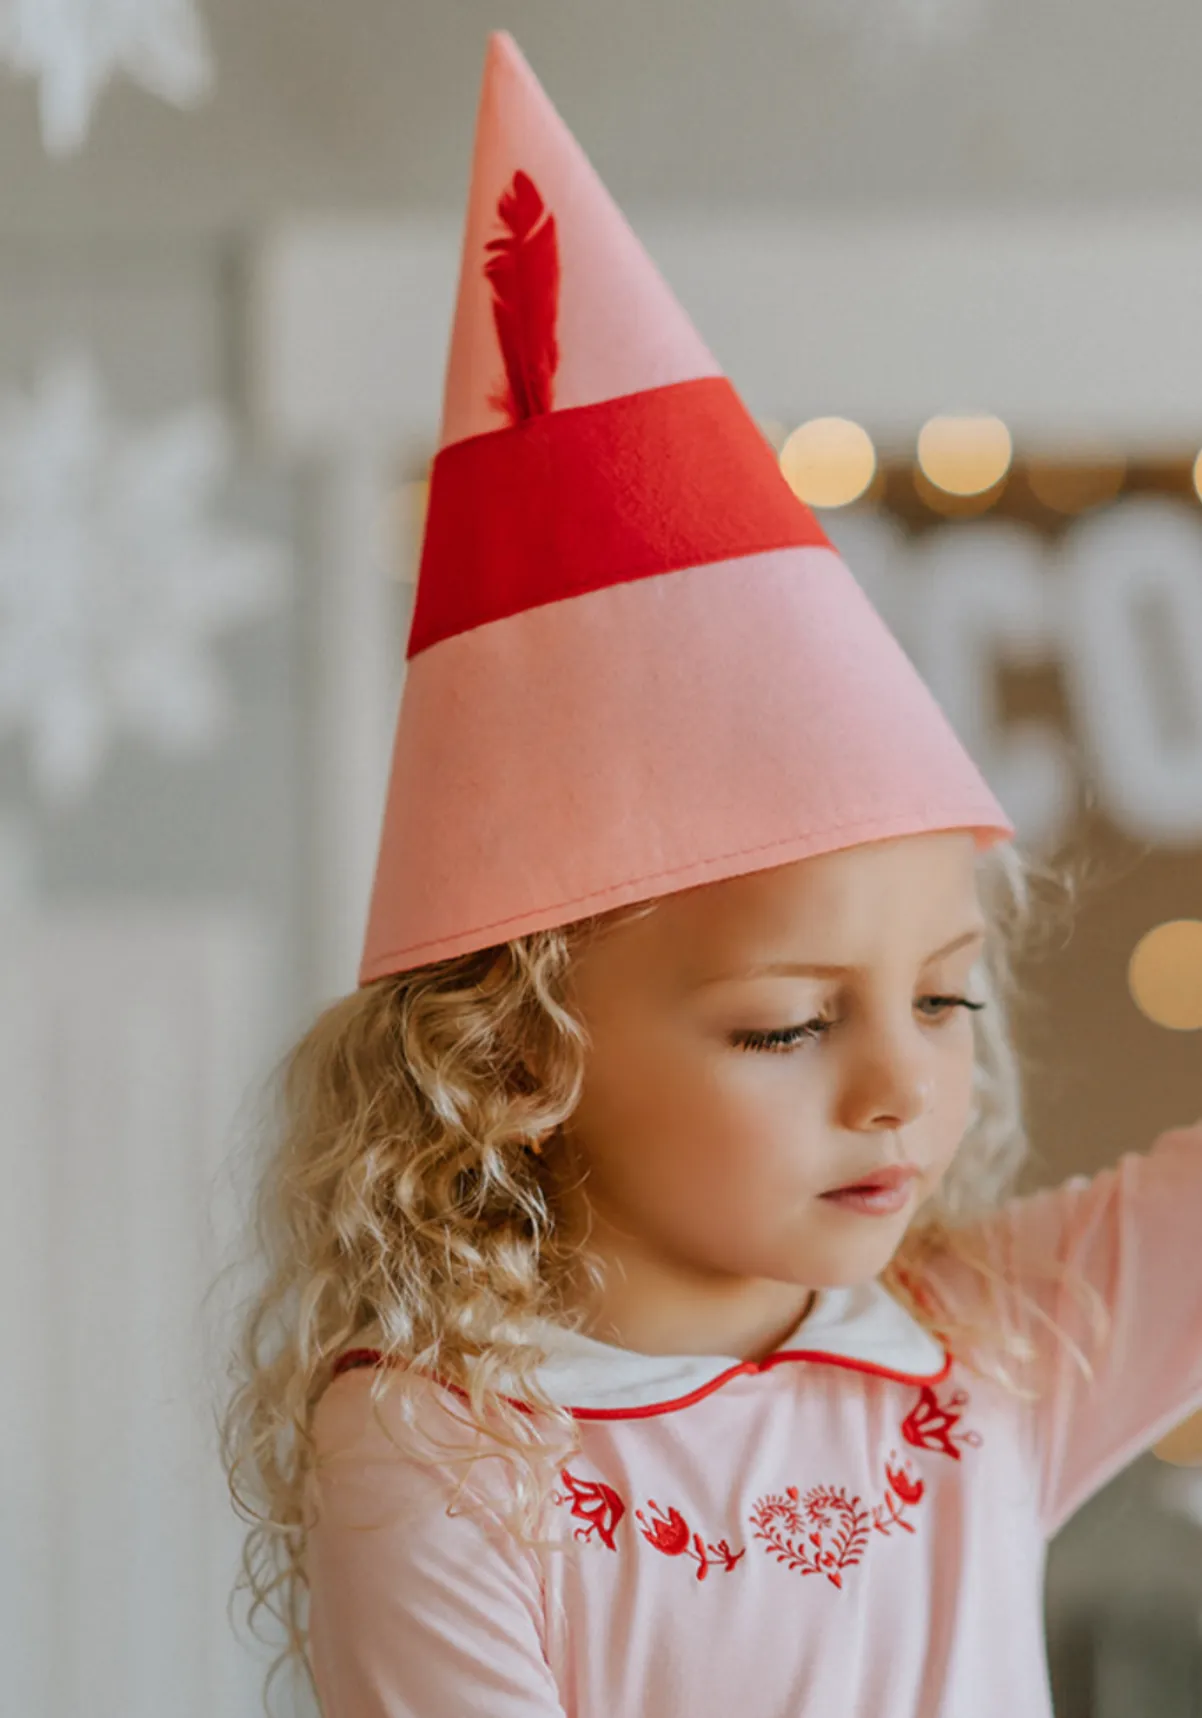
(649, 1328)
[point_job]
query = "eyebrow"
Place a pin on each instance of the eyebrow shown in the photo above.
(809, 969)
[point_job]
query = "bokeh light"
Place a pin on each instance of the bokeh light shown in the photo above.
(828, 462)
(965, 455)
(1165, 975)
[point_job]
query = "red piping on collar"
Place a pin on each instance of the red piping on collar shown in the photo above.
(356, 1357)
(747, 1368)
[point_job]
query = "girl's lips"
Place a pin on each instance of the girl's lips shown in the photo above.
(882, 1194)
(893, 1176)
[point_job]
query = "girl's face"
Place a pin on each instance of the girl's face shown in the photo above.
(755, 1044)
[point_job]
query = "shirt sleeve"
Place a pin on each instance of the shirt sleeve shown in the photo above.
(414, 1612)
(1130, 1237)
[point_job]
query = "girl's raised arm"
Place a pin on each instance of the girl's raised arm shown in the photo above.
(1128, 1242)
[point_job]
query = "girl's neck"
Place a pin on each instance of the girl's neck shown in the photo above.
(748, 1325)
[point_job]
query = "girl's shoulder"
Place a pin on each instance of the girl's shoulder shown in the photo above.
(370, 1401)
(389, 1442)
(359, 1379)
(376, 1407)
(362, 1351)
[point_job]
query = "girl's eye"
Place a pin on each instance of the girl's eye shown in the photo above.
(784, 1039)
(788, 1037)
(945, 1004)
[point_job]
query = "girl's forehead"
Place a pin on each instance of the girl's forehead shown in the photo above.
(914, 879)
(907, 897)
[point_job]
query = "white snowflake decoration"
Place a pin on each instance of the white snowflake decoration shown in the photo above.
(885, 25)
(114, 578)
(73, 47)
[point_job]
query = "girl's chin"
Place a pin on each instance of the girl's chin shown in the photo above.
(855, 1261)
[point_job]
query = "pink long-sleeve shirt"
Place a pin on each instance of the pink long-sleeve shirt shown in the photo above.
(854, 1527)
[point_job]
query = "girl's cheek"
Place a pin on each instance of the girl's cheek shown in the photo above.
(956, 1111)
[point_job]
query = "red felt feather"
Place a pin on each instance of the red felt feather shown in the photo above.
(523, 271)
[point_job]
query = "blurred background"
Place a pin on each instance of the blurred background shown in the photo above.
(950, 251)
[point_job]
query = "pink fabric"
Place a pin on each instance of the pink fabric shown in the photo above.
(620, 329)
(804, 1540)
(649, 737)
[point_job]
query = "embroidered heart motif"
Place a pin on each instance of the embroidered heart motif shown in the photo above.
(826, 1531)
(822, 1533)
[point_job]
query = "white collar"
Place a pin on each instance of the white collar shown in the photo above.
(861, 1328)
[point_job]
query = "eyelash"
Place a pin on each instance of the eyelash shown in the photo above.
(789, 1037)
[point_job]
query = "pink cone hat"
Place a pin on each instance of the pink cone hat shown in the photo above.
(635, 663)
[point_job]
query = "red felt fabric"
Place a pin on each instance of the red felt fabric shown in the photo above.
(582, 499)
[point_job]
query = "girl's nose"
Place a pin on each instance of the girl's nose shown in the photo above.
(896, 1097)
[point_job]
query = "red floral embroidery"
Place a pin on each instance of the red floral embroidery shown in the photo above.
(669, 1532)
(596, 1504)
(902, 1493)
(902, 1481)
(930, 1424)
(822, 1533)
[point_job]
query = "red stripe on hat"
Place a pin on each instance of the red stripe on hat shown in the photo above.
(592, 496)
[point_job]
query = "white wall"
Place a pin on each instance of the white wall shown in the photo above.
(1068, 328)
(127, 1040)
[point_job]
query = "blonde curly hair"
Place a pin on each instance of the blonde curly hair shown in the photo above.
(400, 1202)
